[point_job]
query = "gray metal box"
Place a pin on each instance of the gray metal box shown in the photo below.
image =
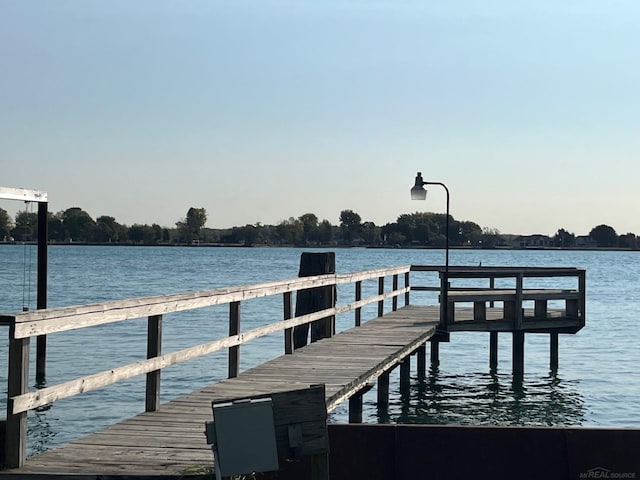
(245, 437)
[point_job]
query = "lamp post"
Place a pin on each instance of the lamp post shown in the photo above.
(418, 192)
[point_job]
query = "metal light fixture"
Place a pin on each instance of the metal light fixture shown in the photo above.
(418, 192)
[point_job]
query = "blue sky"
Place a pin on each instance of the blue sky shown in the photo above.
(259, 111)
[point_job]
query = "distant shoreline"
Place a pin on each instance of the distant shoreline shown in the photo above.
(385, 247)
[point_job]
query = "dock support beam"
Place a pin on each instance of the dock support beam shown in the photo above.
(435, 352)
(383, 390)
(421, 358)
(355, 404)
(553, 353)
(493, 350)
(16, 433)
(518, 353)
(405, 375)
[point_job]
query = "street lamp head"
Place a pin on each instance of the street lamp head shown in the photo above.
(418, 192)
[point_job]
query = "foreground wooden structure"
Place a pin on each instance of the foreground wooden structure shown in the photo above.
(168, 439)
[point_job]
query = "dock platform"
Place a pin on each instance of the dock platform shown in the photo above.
(168, 440)
(171, 442)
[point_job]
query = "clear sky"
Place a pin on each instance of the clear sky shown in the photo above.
(264, 110)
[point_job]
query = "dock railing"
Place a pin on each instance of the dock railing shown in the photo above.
(513, 296)
(25, 325)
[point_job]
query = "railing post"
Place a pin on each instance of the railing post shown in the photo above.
(154, 349)
(358, 298)
(380, 292)
(394, 302)
(443, 298)
(41, 340)
(288, 332)
(582, 288)
(518, 333)
(406, 285)
(492, 285)
(16, 432)
(234, 329)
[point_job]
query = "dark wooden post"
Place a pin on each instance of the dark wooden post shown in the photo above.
(41, 340)
(421, 360)
(315, 299)
(435, 351)
(553, 351)
(358, 298)
(518, 332)
(234, 329)
(383, 390)
(154, 349)
(16, 431)
(380, 292)
(288, 332)
(406, 284)
(493, 350)
(394, 302)
(518, 353)
(405, 375)
(355, 408)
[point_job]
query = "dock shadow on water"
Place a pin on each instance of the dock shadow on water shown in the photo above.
(487, 398)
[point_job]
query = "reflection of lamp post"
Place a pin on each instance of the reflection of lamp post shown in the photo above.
(418, 192)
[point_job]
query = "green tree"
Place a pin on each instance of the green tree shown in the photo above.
(56, 228)
(5, 224)
(563, 238)
(189, 228)
(309, 223)
(349, 225)
(78, 225)
(370, 233)
(26, 226)
(196, 218)
(107, 230)
(142, 234)
(290, 231)
(629, 240)
(325, 232)
(604, 235)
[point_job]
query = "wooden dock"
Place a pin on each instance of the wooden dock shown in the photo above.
(168, 440)
(171, 441)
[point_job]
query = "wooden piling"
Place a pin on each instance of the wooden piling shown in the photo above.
(493, 350)
(553, 351)
(154, 349)
(383, 390)
(405, 374)
(421, 360)
(18, 381)
(315, 299)
(435, 352)
(518, 353)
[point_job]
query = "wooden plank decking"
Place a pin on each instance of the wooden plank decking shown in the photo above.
(171, 443)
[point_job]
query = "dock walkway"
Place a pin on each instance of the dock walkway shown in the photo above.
(168, 440)
(171, 442)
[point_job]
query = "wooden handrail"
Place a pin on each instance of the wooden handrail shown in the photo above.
(30, 400)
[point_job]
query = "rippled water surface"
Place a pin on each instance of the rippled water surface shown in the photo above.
(597, 383)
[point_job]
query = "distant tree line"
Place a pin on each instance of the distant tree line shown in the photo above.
(421, 229)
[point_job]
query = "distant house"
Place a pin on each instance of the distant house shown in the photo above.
(534, 241)
(585, 241)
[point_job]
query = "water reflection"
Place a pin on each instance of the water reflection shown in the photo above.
(487, 399)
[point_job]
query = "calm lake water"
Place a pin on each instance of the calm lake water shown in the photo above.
(597, 384)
